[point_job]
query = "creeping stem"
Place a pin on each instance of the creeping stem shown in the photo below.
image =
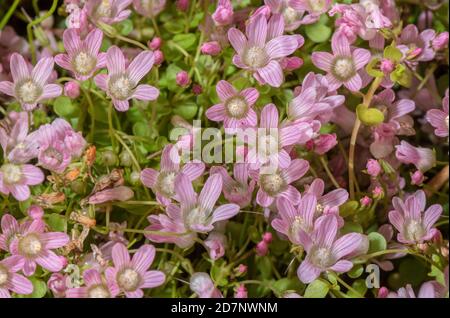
(8, 14)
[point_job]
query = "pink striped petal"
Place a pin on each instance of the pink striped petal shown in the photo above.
(50, 91)
(121, 105)
(322, 60)
(19, 68)
(143, 258)
(307, 272)
(153, 279)
(145, 92)
(210, 192)
(42, 70)
(120, 255)
(115, 60)
(101, 80)
(54, 239)
(250, 95)
(185, 191)
(20, 192)
(92, 277)
(396, 220)
(269, 117)
(93, 41)
(354, 83)
(256, 31)
(7, 88)
(275, 26)
(225, 212)
(20, 285)
(292, 194)
(140, 66)
(225, 90)
(216, 112)
(431, 216)
(193, 170)
(149, 177)
(340, 45)
(32, 175)
(281, 46)
(272, 73)
(238, 40)
(71, 41)
(50, 261)
(342, 266)
(296, 170)
(361, 57)
(263, 199)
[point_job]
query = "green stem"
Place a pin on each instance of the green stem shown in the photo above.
(131, 41)
(329, 174)
(349, 288)
(36, 22)
(8, 14)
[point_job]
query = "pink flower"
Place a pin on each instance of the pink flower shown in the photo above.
(278, 184)
(16, 179)
(96, 287)
(121, 83)
(263, 48)
(262, 248)
(120, 193)
(416, 47)
(373, 167)
(343, 65)
(324, 143)
(238, 190)
(423, 158)
(211, 48)
(430, 289)
(314, 8)
(216, 244)
(131, 276)
(34, 246)
(291, 63)
(29, 87)
(224, 13)
(293, 18)
(417, 178)
(149, 8)
(413, 224)
(162, 183)
(203, 286)
(10, 280)
(182, 79)
(327, 203)
(195, 213)
(324, 251)
(365, 201)
(159, 57)
(57, 283)
(155, 43)
(439, 118)
(440, 42)
(83, 58)
(108, 12)
(72, 89)
(236, 108)
(182, 5)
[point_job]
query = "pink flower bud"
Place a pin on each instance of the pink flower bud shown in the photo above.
(291, 63)
(417, 178)
(365, 201)
(373, 167)
(387, 66)
(197, 89)
(211, 48)
(224, 13)
(383, 292)
(262, 248)
(182, 79)
(155, 43)
(242, 269)
(378, 192)
(72, 89)
(215, 244)
(440, 42)
(183, 5)
(57, 284)
(159, 57)
(35, 212)
(120, 193)
(241, 292)
(267, 237)
(324, 143)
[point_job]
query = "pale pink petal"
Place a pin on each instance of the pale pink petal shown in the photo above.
(210, 192)
(145, 92)
(322, 60)
(20, 285)
(296, 170)
(307, 272)
(216, 112)
(149, 177)
(54, 239)
(342, 266)
(354, 83)
(281, 46)
(360, 58)
(19, 68)
(79, 292)
(138, 293)
(263, 199)
(396, 220)
(121, 105)
(120, 255)
(20, 192)
(334, 198)
(101, 80)
(275, 26)
(71, 41)
(140, 66)
(269, 117)
(326, 231)
(143, 258)
(153, 279)
(340, 45)
(272, 73)
(256, 31)
(7, 88)
(32, 175)
(225, 212)
(431, 215)
(193, 170)
(225, 90)
(250, 95)
(92, 277)
(346, 245)
(115, 60)
(93, 41)
(292, 194)
(237, 39)
(42, 70)
(185, 191)
(50, 91)
(50, 261)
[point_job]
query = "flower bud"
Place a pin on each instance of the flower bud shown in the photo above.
(35, 212)
(159, 57)
(109, 158)
(197, 89)
(57, 284)
(365, 201)
(291, 63)
(211, 48)
(387, 66)
(135, 178)
(182, 5)
(373, 167)
(378, 192)
(240, 270)
(72, 89)
(417, 178)
(262, 248)
(125, 159)
(241, 292)
(223, 14)
(440, 42)
(324, 143)
(182, 79)
(383, 292)
(267, 237)
(155, 43)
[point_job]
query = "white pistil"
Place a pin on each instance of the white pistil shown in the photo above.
(128, 279)
(28, 91)
(30, 245)
(255, 57)
(121, 86)
(343, 68)
(12, 174)
(321, 257)
(166, 183)
(272, 183)
(84, 63)
(236, 107)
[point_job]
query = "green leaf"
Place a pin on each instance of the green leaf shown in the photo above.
(64, 107)
(350, 227)
(220, 273)
(57, 222)
(317, 289)
(285, 284)
(186, 41)
(360, 286)
(348, 208)
(372, 70)
(392, 53)
(401, 75)
(318, 32)
(369, 116)
(356, 271)
(39, 288)
(377, 242)
(125, 27)
(187, 110)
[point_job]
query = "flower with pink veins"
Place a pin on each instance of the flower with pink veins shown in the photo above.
(416, 47)
(324, 251)
(132, 275)
(203, 286)
(10, 280)
(327, 203)
(121, 83)
(235, 108)
(238, 190)
(83, 57)
(162, 182)
(343, 65)
(96, 287)
(29, 86)
(271, 140)
(423, 158)
(35, 246)
(10, 228)
(16, 179)
(439, 118)
(315, 8)
(292, 18)
(149, 8)
(413, 224)
(107, 11)
(278, 183)
(264, 45)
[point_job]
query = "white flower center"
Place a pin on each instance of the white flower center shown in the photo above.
(317, 5)
(290, 15)
(299, 225)
(28, 91)
(343, 68)
(11, 173)
(30, 245)
(104, 9)
(255, 57)
(196, 216)
(166, 183)
(98, 291)
(3, 275)
(414, 230)
(128, 279)
(236, 107)
(121, 86)
(321, 257)
(272, 183)
(84, 63)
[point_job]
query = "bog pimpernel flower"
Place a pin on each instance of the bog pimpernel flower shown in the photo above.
(10, 280)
